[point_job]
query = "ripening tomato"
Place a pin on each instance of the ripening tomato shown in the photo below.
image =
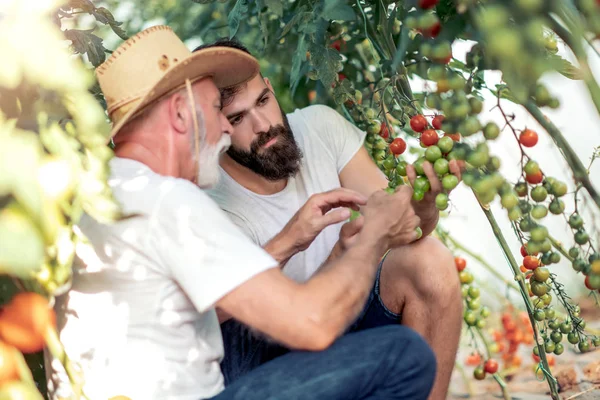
(398, 146)
(25, 320)
(453, 136)
(337, 45)
(385, 131)
(473, 359)
(8, 364)
(491, 366)
(535, 178)
(436, 122)
(429, 137)
(531, 262)
(418, 123)
(528, 138)
(461, 263)
(341, 76)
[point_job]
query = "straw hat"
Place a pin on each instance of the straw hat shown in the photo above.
(155, 63)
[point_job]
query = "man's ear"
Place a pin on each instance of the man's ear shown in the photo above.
(268, 83)
(179, 114)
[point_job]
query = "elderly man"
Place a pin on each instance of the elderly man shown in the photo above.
(276, 162)
(140, 317)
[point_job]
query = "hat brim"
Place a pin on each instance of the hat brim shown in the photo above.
(226, 66)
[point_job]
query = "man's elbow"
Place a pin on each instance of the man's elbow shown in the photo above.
(316, 334)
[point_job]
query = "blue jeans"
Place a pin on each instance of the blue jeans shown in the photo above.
(377, 358)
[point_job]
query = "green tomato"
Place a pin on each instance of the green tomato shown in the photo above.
(557, 206)
(525, 224)
(509, 200)
(546, 245)
(445, 144)
(476, 105)
(579, 264)
(575, 221)
(539, 194)
(449, 182)
(422, 184)
(491, 131)
(441, 201)
(553, 324)
(470, 318)
(581, 236)
(539, 315)
(574, 252)
(401, 168)
(539, 289)
(478, 158)
(433, 153)
(473, 304)
(514, 214)
(549, 346)
(539, 211)
(559, 188)
(559, 349)
(539, 233)
(441, 166)
(471, 126)
(550, 313)
(573, 338)
(418, 195)
(418, 165)
(566, 327)
(555, 258)
(556, 336)
(484, 312)
(584, 346)
(474, 292)
(436, 72)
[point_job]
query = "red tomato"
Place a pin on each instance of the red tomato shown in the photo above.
(341, 76)
(433, 31)
(437, 122)
(587, 283)
(491, 366)
(337, 45)
(534, 178)
(429, 137)
(473, 359)
(385, 131)
(425, 4)
(453, 136)
(398, 146)
(418, 123)
(528, 138)
(531, 262)
(461, 263)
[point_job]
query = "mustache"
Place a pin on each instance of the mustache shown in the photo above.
(264, 138)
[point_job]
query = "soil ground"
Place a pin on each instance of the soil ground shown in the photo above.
(578, 374)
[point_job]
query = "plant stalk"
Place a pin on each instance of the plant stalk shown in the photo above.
(57, 350)
(579, 171)
(552, 383)
(497, 377)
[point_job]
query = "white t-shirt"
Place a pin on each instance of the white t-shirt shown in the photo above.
(140, 317)
(328, 142)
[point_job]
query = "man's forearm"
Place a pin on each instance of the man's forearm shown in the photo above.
(340, 288)
(281, 248)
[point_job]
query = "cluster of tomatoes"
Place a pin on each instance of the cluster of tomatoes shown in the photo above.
(474, 316)
(24, 324)
(438, 153)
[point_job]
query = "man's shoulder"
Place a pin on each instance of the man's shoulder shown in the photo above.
(136, 186)
(312, 112)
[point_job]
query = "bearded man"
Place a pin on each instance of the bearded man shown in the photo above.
(275, 164)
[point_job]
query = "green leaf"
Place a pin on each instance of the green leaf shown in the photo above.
(338, 10)
(204, 1)
(84, 42)
(105, 17)
(235, 16)
(299, 15)
(564, 67)
(343, 91)
(297, 61)
(327, 62)
(275, 7)
(505, 93)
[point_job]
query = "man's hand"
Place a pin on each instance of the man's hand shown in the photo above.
(319, 211)
(391, 218)
(426, 208)
(348, 237)
(317, 214)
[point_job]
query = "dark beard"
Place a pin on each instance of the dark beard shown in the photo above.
(280, 161)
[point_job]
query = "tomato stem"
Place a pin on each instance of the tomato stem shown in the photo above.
(552, 383)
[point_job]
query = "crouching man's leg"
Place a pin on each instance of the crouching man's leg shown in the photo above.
(420, 283)
(390, 362)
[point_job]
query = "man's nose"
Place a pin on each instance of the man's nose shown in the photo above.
(226, 127)
(260, 123)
